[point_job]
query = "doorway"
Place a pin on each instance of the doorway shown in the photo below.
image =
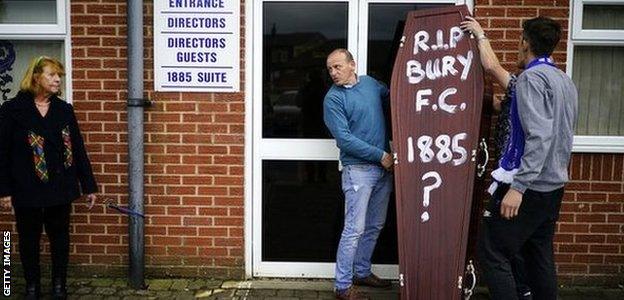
(297, 202)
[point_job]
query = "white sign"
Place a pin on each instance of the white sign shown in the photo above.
(197, 45)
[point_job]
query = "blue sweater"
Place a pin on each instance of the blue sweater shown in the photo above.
(355, 117)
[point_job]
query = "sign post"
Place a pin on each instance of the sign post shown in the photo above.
(437, 95)
(197, 46)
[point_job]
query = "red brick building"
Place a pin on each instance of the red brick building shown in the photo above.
(246, 183)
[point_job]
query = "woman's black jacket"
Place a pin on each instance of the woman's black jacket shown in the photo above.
(63, 171)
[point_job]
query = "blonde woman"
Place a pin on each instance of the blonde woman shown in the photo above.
(43, 168)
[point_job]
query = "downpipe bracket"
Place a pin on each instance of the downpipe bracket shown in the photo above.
(139, 102)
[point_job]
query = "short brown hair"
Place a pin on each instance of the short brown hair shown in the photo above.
(35, 69)
(543, 35)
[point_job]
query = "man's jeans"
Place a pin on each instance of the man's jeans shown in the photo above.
(367, 190)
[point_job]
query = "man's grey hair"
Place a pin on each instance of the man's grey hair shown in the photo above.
(344, 51)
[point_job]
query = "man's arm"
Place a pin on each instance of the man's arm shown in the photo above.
(337, 123)
(386, 160)
(486, 53)
(535, 111)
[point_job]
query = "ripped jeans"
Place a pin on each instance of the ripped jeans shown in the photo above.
(367, 190)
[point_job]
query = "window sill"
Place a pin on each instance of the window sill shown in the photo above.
(598, 144)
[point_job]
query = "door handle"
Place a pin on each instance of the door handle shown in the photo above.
(481, 167)
(470, 270)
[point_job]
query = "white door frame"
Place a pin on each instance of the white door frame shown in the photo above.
(258, 149)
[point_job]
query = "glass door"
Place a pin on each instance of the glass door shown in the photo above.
(298, 204)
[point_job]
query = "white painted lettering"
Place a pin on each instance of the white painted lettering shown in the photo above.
(410, 149)
(447, 149)
(414, 72)
(456, 35)
(427, 191)
(436, 68)
(420, 40)
(466, 62)
(440, 39)
(421, 100)
(443, 142)
(424, 143)
(447, 66)
(432, 69)
(442, 100)
(459, 149)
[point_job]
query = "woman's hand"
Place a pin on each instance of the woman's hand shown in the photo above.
(91, 200)
(5, 203)
(471, 25)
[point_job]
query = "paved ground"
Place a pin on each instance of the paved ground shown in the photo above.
(274, 289)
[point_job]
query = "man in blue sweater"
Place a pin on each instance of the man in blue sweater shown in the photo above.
(354, 114)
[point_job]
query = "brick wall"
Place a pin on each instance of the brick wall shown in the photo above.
(589, 244)
(193, 157)
(590, 237)
(194, 161)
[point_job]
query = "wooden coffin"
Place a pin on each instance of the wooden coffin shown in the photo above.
(436, 98)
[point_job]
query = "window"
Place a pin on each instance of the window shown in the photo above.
(33, 16)
(28, 29)
(596, 64)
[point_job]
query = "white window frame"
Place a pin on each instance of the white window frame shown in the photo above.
(592, 37)
(61, 31)
(363, 24)
(578, 33)
(258, 149)
(62, 9)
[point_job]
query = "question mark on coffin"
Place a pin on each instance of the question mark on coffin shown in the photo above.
(427, 191)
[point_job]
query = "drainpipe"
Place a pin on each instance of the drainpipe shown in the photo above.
(136, 104)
